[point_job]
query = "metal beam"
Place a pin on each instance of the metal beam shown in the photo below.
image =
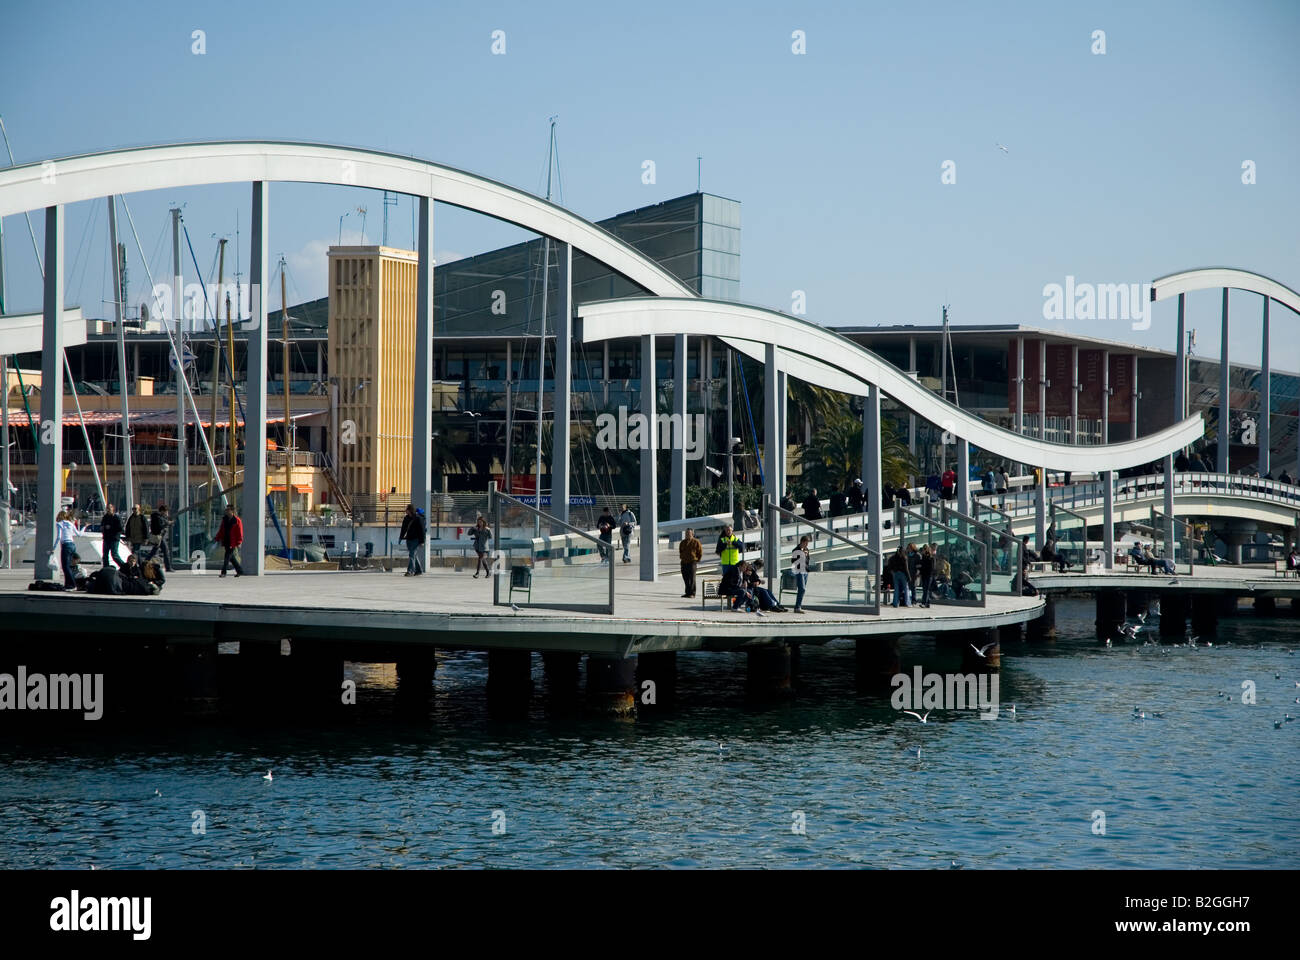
(1265, 406)
(1225, 407)
(783, 404)
(422, 381)
(49, 463)
(871, 473)
(254, 512)
(771, 453)
(1108, 518)
(1040, 508)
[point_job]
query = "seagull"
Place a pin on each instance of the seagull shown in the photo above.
(918, 716)
(1297, 683)
(514, 607)
(1002, 148)
(1288, 718)
(917, 749)
(268, 776)
(955, 865)
(1130, 630)
(1277, 724)
(981, 650)
(1012, 709)
(1278, 676)
(1173, 583)
(1108, 641)
(1142, 618)
(759, 613)
(1220, 694)
(157, 793)
(1191, 640)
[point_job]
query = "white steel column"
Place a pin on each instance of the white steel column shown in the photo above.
(781, 431)
(649, 453)
(871, 472)
(561, 445)
(1040, 508)
(49, 463)
(1265, 407)
(677, 456)
(1169, 505)
(254, 512)
(771, 452)
(422, 403)
(1225, 409)
(1108, 518)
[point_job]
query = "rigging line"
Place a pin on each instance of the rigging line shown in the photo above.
(180, 367)
(76, 260)
(27, 213)
(744, 392)
(225, 362)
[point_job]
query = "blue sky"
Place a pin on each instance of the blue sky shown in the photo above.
(1119, 167)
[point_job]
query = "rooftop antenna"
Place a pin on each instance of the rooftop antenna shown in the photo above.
(699, 172)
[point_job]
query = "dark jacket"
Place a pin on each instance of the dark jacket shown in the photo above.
(158, 523)
(838, 503)
(412, 529)
(812, 508)
(111, 526)
(926, 566)
(137, 528)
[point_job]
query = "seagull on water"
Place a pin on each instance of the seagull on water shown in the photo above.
(917, 749)
(918, 716)
(1288, 718)
(1277, 724)
(982, 650)
(157, 793)
(1002, 148)
(268, 776)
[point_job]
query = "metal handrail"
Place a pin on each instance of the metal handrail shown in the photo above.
(1003, 535)
(495, 497)
(1083, 523)
(1165, 525)
(900, 512)
(871, 596)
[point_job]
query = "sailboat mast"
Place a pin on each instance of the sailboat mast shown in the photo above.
(182, 457)
(123, 379)
(216, 349)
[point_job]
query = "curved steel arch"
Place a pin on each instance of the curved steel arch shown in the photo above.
(91, 176)
(822, 349)
(1213, 278)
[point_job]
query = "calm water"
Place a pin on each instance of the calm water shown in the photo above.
(1213, 784)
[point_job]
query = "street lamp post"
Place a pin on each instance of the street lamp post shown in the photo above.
(387, 501)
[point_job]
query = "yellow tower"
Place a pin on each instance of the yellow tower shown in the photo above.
(372, 299)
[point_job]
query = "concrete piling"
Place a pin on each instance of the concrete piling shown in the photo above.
(768, 672)
(656, 681)
(611, 686)
(509, 684)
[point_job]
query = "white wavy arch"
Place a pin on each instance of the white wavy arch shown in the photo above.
(48, 183)
(1213, 278)
(823, 350)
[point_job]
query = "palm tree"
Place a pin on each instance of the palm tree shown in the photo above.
(834, 457)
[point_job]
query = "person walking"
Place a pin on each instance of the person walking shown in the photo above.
(799, 567)
(413, 533)
(481, 535)
(230, 535)
(605, 527)
(110, 528)
(137, 528)
(691, 551)
(65, 542)
(626, 524)
(160, 534)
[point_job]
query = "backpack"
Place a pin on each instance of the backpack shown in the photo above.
(46, 585)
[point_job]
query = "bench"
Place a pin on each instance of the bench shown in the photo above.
(1280, 569)
(709, 591)
(521, 578)
(857, 585)
(787, 584)
(1040, 566)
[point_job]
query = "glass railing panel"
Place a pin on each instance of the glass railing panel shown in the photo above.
(842, 571)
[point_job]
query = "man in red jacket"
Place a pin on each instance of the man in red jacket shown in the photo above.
(230, 536)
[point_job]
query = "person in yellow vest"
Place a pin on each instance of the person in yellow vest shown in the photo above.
(728, 551)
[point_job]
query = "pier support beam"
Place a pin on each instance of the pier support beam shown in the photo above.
(562, 671)
(1228, 604)
(1111, 611)
(878, 661)
(316, 676)
(656, 681)
(192, 670)
(415, 672)
(769, 672)
(611, 686)
(1205, 615)
(1011, 633)
(1174, 607)
(1266, 606)
(1136, 602)
(509, 684)
(1043, 628)
(257, 675)
(49, 458)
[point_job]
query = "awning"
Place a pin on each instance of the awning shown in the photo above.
(297, 488)
(150, 418)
